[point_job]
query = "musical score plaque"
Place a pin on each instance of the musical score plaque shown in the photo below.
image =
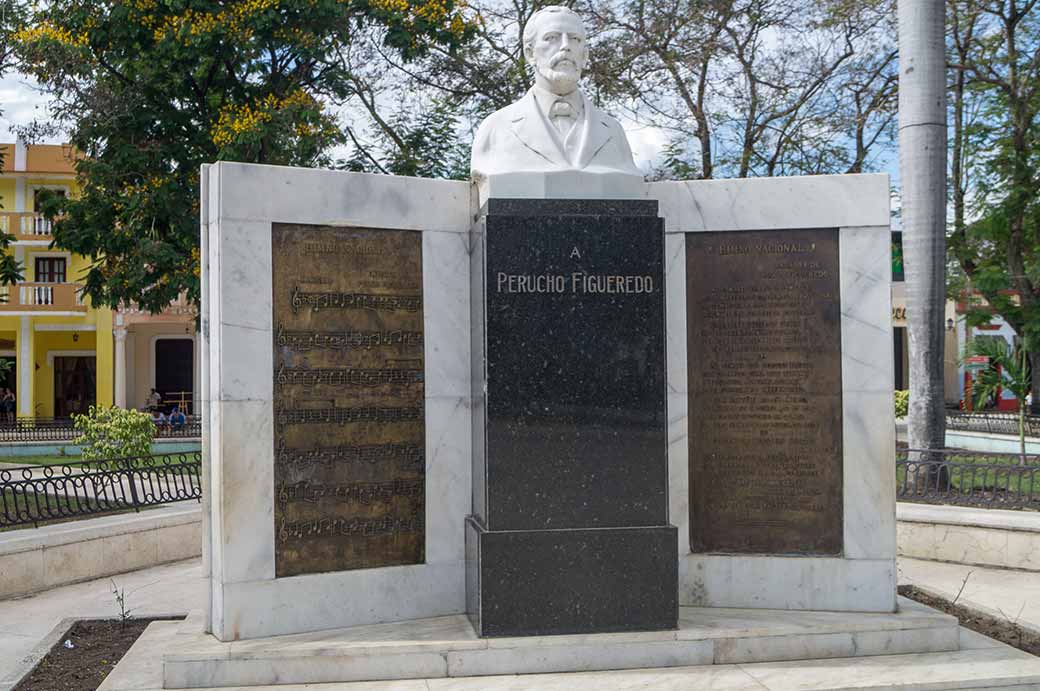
(764, 364)
(349, 435)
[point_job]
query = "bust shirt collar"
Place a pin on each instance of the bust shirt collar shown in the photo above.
(545, 99)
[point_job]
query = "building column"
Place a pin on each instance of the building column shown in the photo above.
(26, 367)
(119, 332)
(104, 358)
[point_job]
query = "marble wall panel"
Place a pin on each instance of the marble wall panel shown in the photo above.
(864, 578)
(246, 599)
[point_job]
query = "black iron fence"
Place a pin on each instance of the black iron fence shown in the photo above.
(63, 429)
(34, 494)
(969, 478)
(991, 422)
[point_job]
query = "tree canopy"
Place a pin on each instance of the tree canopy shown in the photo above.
(151, 89)
(994, 56)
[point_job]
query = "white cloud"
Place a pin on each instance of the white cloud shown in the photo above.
(22, 101)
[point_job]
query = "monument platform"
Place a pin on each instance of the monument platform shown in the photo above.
(448, 647)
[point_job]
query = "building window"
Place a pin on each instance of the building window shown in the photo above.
(50, 269)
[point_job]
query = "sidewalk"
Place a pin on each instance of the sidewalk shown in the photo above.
(1002, 593)
(24, 622)
(178, 588)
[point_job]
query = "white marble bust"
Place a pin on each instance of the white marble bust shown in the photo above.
(554, 128)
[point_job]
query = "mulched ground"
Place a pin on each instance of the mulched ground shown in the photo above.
(98, 645)
(1005, 630)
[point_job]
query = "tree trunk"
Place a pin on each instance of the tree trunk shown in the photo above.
(922, 165)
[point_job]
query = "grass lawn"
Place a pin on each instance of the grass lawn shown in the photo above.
(34, 503)
(981, 473)
(38, 460)
(61, 460)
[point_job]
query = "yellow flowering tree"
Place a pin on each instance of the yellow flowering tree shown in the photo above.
(151, 89)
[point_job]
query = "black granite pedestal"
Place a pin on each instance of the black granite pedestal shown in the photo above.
(569, 532)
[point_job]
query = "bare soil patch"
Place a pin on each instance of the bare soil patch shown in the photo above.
(1005, 630)
(97, 647)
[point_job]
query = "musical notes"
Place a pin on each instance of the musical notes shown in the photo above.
(303, 341)
(342, 416)
(329, 300)
(348, 376)
(349, 399)
(361, 492)
(405, 454)
(349, 527)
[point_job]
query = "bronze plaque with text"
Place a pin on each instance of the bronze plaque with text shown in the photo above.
(349, 434)
(764, 364)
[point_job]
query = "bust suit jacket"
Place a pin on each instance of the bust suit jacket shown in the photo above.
(520, 138)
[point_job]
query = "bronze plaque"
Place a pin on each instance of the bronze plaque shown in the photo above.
(764, 363)
(349, 457)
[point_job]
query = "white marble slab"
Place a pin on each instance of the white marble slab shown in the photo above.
(404, 649)
(327, 197)
(818, 201)
(247, 601)
(772, 582)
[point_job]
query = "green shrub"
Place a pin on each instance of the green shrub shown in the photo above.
(902, 403)
(114, 433)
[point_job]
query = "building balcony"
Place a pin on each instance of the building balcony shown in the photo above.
(25, 226)
(42, 297)
(180, 310)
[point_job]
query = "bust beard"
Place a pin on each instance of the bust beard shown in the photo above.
(561, 82)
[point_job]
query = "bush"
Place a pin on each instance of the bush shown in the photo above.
(114, 433)
(902, 403)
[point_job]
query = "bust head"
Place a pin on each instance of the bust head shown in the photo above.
(555, 43)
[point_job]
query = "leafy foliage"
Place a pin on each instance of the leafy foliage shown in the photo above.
(1009, 370)
(152, 89)
(425, 144)
(902, 403)
(107, 433)
(995, 94)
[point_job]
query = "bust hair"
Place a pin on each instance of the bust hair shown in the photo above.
(532, 23)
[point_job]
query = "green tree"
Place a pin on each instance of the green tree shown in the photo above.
(1008, 369)
(151, 89)
(426, 144)
(995, 97)
(10, 14)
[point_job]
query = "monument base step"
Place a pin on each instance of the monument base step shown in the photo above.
(448, 647)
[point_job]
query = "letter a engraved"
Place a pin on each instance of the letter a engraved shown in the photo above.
(575, 254)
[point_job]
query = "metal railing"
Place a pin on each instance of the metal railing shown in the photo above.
(991, 422)
(33, 494)
(969, 478)
(64, 429)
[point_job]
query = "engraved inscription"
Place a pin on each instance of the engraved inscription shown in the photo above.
(764, 362)
(348, 399)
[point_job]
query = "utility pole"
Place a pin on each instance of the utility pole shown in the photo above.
(922, 169)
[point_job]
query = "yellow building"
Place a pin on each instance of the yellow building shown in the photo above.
(66, 354)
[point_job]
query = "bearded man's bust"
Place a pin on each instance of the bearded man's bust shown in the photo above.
(554, 127)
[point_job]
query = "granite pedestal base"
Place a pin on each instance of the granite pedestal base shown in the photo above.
(543, 582)
(449, 647)
(569, 531)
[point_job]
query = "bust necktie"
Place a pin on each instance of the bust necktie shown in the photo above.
(562, 116)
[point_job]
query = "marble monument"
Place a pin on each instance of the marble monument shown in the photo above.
(533, 147)
(538, 421)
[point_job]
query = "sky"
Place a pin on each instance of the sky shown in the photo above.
(22, 101)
